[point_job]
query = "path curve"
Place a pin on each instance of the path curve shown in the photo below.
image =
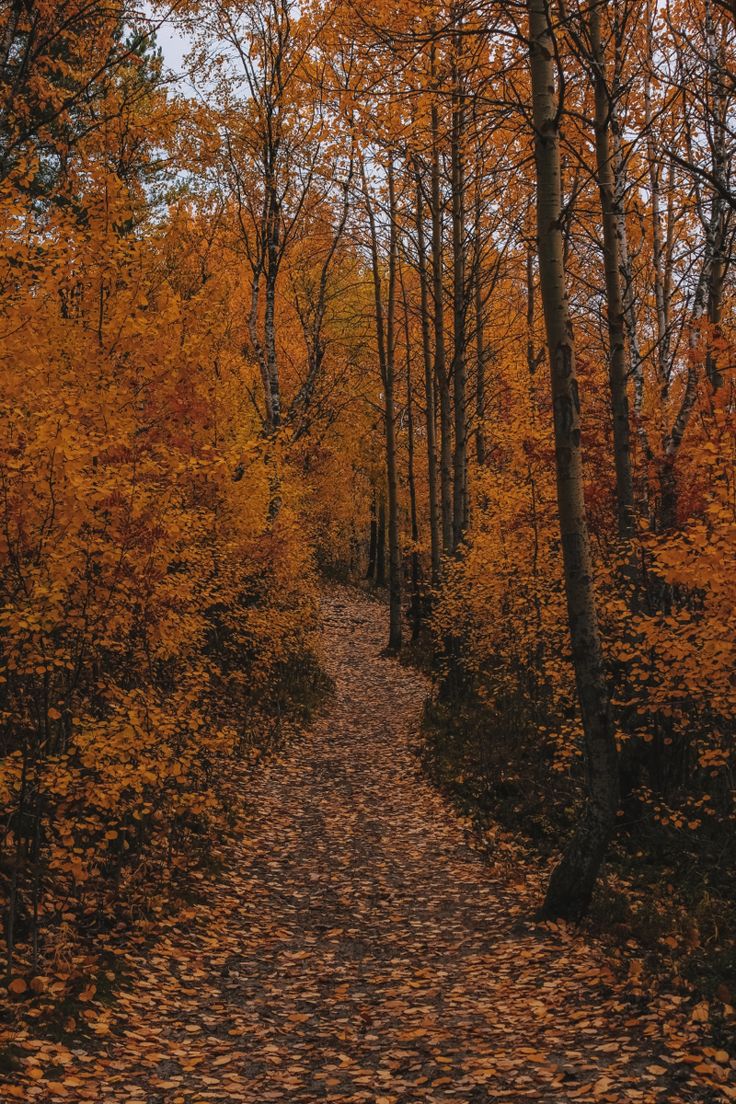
(359, 950)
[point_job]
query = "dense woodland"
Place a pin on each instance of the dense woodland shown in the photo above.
(434, 299)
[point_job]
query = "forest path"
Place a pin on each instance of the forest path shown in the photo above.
(358, 949)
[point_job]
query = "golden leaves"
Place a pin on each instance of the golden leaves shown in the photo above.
(150, 600)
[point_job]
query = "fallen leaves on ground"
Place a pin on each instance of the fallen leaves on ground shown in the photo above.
(358, 948)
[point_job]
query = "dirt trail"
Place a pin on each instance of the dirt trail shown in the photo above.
(359, 950)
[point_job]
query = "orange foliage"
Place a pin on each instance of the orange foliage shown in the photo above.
(193, 415)
(151, 603)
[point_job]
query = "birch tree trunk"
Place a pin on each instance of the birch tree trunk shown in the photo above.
(571, 885)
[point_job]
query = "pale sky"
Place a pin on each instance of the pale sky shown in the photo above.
(173, 44)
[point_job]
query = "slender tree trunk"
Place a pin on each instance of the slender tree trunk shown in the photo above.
(269, 325)
(480, 342)
(635, 366)
(667, 511)
(429, 392)
(459, 366)
(664, 513)
(416, 598)
(381, 542)
(386, 340)
(394, 547)
(719, 167)
(658, 248)
(533, 357)
(572, 882)
(717, 278)
(440, 363)
(707, 298)
(373, 541)
(614, 291)
(715, 314)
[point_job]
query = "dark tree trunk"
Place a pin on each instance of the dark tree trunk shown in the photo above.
(480, 342)
(386, 341)
(429, 393)
(381, 543)
(572, 882)
(373, 541)
(615, 306)
(440, 362)
(459, 367)
(416, 597)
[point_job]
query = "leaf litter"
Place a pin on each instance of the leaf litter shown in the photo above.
(356, 946)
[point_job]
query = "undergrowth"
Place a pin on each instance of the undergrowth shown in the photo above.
(666, 899)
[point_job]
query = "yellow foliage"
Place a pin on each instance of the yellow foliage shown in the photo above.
(150, 593)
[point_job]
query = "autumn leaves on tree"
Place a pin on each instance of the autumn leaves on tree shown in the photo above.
(432, 296)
